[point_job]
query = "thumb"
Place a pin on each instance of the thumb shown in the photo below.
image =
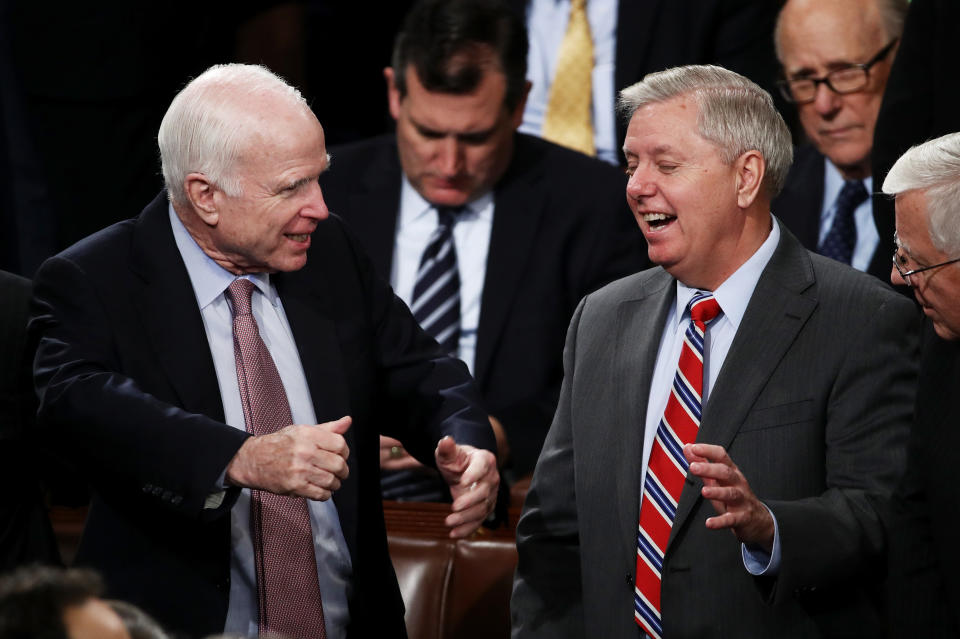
(339, 426)
(446, 453)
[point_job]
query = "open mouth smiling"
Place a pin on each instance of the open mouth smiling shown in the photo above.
(657, 221)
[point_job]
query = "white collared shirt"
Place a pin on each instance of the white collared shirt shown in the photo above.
(733, 296)
(867, 235)
(334, 568)
(471, 237)
(546, 26)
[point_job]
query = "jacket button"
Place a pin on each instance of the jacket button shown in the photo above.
(629, 579)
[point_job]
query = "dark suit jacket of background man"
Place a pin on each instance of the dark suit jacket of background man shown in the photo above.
(924, 553)
(561, 228)
(25, 533)
(800, 204)
(813, 404)
(128, 385)
(653, 35)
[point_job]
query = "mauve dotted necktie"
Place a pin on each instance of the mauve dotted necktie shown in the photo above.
(287, 587)
(667, 467)
(842, 236)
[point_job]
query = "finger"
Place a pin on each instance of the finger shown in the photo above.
(720, 472)
(691, 456)
(448, 454)
(339, 426)
(711, 452)
(329, 463)
(721, 521)
(466, 523)
(729, 495)
(472, 494)
(389, 442)
(404, 462)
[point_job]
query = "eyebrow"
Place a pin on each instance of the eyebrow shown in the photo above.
(426, 130)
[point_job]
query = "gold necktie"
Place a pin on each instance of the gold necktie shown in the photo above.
(567, 120)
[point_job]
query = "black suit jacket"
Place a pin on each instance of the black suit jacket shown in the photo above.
(653, 35)
(25, 532)
(561, 228)
(801, 201)
(128, 386)
(924, 594)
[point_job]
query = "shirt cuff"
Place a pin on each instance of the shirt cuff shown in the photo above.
(759, 562)
(215, 499)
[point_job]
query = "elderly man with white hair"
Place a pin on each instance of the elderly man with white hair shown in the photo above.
(924, 553)
(216, 365)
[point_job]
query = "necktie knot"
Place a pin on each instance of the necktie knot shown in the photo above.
(447, 216)
(703, 309)
(852, 195)
(240, 292)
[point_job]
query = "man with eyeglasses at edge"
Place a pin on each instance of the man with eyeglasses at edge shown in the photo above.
(923, 592)
(836, 58)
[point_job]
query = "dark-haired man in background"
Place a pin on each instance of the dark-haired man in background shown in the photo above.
(534, 227)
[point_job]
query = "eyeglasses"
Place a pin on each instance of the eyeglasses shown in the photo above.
(907, 275)
(849, 79)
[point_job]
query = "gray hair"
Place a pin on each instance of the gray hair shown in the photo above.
(934, 167)
(734, 114)
(204, 129)
(892, 15)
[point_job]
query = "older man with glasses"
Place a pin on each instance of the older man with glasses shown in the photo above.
(836, 57)
(924, 554)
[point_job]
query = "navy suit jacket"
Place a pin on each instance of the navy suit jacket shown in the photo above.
(128, 387)
(800, 204)
(561, 229)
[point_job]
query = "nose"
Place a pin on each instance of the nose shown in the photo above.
(449, 155)
(639, 186)
(895, 278)
(826, 101)
(316, 206)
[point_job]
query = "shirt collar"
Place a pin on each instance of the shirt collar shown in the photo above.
(209, 279)
(735, 292)
(413, 207)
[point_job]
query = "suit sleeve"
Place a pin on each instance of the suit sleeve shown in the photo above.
(547, 597)
(126, 439)
(428, 394)
(838, 535)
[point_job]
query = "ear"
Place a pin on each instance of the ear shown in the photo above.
(751, 169)
(393, 94)
(517, 115)
(202, 195)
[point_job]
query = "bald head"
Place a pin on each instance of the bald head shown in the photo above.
(217, 116)
(817, 37)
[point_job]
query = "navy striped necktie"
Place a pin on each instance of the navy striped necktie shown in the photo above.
(436, 294)
(842, 237)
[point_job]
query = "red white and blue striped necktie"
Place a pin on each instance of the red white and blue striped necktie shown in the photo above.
(667, 468)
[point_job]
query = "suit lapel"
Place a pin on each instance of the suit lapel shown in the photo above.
(639, 330)
(168, 310)
(517, 213)
(777, 312)
(304, 294)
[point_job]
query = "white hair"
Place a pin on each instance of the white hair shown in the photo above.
(893, 13)
(204, 129)
(933, 167)
(734, 114)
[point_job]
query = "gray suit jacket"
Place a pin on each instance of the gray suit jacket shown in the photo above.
(812, 403)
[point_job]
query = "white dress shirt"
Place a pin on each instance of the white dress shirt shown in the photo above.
(733, 296)
(867, 235)
(546, 26)
(334, 568)
(471, 237)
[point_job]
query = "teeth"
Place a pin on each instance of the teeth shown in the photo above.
(656, 217)
(298, 237)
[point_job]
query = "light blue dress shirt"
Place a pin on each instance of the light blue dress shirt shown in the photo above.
(334, 569)
(867, 235)
(733, 296)
(471, 237)
(546, 26)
